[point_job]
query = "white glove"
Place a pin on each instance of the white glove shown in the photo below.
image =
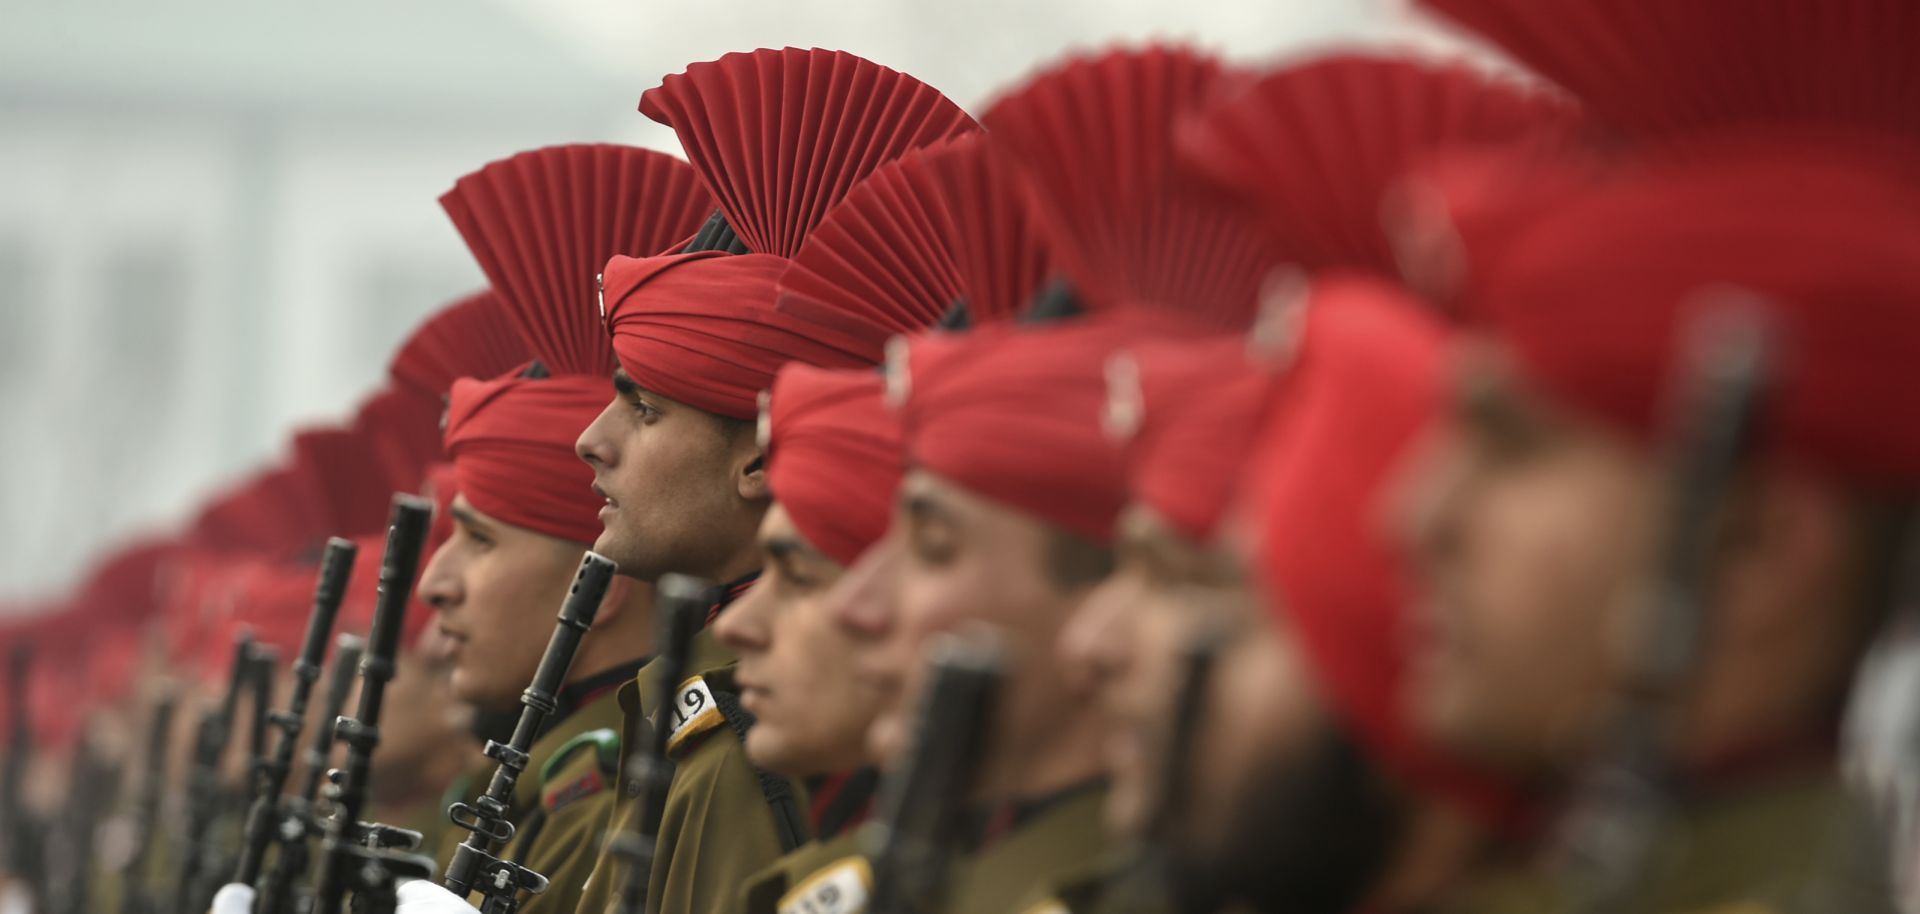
(233, 898)
(421, 896)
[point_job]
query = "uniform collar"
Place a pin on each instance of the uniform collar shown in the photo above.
(581, 692)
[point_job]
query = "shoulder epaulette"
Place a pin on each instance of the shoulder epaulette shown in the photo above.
(606, 748)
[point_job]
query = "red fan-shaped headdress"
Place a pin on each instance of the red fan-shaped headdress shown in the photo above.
(1093, 139)
(1316, 147)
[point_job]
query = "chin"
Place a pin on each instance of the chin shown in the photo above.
(887, 740)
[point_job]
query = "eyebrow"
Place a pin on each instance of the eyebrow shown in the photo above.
(623, 383)
(468, 518)
(923, 507)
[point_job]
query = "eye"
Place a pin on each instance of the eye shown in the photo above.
(932, 543)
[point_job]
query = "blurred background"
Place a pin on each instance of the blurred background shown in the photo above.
(218, 217)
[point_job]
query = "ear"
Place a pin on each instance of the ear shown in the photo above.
(614, 603)
(750, 470)
(1783, 549)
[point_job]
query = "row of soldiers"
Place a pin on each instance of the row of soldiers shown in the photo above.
(1361, 483)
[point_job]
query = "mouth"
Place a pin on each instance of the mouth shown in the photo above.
(610, 505)
(752, 696)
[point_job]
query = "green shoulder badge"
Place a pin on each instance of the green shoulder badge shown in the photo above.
(570, 775)
(839, 888)
(693, 712)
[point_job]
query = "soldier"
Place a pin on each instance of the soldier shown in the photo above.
(1537, 514)
(698, 336)
(1185, 415)
(795, 677)
(1012, 489)
(1304, 783)
(524, 509)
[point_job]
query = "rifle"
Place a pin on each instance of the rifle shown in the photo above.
(270, 773)
(19, 831)
(203, 779)
(1621, 801)
(352, 858)
(70, 841)
(475, 863)
(231, 802)
(135, 895)
(681, 604)
(1147, 882)
(298, 822)
(914, 841)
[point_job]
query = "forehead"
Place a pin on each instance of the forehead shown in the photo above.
(925, 496)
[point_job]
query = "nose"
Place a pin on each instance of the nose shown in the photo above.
(595, 443)
(861, 602)
(743, 627)
(439, 584)
(1094, 645)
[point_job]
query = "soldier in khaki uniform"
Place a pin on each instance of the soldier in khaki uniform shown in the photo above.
(795, 663)
(1538, 515)
(699, 336)
(1002, 523)
(525, 508)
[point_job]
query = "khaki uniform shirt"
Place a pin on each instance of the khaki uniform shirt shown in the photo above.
(562, 811)
(724, 820)
(1775, 848)
(821, 877)
(1029, 870)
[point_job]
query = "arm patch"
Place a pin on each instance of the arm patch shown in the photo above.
(692, 713)
(838, 888)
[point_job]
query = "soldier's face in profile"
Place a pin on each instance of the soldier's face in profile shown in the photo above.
(968, 563)
(1530, 528)
(1127, 640)
(684, 490)
(495, 587)
(796, 665)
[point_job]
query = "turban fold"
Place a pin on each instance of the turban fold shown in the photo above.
(834, 458)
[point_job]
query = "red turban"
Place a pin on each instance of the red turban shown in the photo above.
(834, 457)
(540, 223)
(1195, 407)
(1016, 415)
(1370, 375)
(702, 328)
(1594, 298)
(511, 443)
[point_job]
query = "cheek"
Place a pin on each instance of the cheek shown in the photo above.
(1261, 702)
(931, 600)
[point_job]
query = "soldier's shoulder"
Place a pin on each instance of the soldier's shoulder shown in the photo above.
(837, 882)
(583, 766)
(703, 707)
